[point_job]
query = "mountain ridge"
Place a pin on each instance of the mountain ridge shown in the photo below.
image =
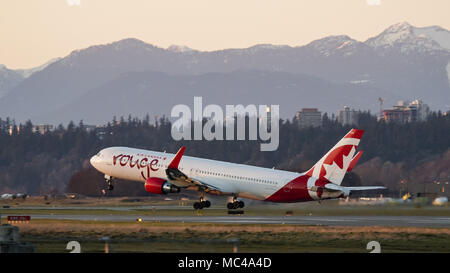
(407, 65)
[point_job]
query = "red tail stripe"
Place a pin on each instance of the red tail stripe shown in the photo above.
(354, 161)
(355, 133)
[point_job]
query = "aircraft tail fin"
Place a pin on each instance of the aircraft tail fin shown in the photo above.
(354, 161)
(335, 163)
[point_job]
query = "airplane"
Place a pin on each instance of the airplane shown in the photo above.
(164, 173)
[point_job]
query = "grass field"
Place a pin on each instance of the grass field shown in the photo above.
(53, 236)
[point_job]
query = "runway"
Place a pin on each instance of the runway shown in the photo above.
(411, 221)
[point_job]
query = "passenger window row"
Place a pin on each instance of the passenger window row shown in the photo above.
(238, 177)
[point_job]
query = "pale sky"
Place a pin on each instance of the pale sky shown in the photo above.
(35, 31)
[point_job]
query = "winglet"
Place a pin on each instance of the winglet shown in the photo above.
(354, 161)
(177, 158)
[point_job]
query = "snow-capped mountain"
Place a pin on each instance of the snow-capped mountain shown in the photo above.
(28, 72)
(8, 79)
(402, 62)
(409, 38)
(341, 45)
(11, 78)
(179, 48)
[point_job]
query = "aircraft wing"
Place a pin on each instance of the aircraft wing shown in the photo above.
(178, 178)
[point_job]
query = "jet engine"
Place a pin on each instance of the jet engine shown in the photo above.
(160, 186)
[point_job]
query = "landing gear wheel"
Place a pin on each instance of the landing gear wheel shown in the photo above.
(235, 204)
(206, 204)
(198, 205)
(110, 187)
(202, 204)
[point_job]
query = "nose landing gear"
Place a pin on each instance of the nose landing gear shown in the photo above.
(109, 184)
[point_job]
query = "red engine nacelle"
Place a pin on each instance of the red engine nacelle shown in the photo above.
(159, 186)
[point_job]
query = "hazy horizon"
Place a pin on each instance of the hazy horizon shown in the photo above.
(33, 32)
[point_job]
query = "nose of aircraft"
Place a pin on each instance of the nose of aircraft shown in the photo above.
(94, 161)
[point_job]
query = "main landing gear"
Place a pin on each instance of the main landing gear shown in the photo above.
(202, 204)
(235, 204)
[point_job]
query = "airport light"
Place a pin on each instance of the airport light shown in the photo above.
(106, 239)
(235, 242)
(402, 182)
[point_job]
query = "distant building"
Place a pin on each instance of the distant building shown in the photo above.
(11, 129)
(101, 131)
(89, 128)
(269, 117)
(4, 126)
(403, 113)
(419, 111)
(395, 115)
(348, 117)
(42, 128)
(309, 117)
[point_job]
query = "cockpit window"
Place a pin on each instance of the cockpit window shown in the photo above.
(99, 154)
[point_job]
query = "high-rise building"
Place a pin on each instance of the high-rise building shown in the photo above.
(348, 117)
(419, 111)
(267, 118)
(309, 117)
(42, 128)
(403, 112)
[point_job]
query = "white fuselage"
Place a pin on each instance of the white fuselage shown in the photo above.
(237, 179)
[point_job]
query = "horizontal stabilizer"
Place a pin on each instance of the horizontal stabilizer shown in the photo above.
(365, 188)
(346, 190)
(334, 187)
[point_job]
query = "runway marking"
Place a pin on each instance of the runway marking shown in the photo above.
(418, 221)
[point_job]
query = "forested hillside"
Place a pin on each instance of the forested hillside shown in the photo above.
(418, 153)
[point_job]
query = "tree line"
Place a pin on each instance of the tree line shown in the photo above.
(36, 163)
